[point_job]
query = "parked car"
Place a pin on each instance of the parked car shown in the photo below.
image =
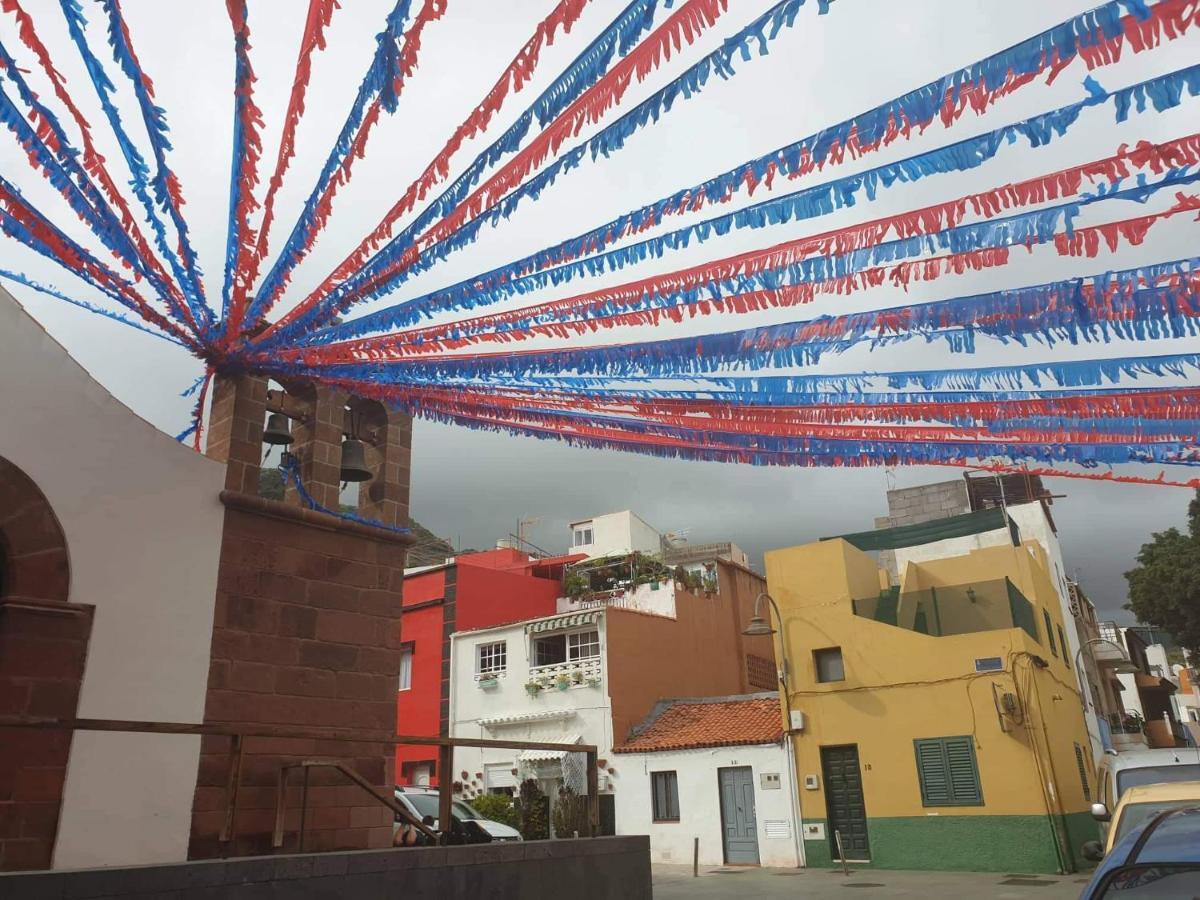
(1139, 804)
(468, 824)
(1117, 772)
(1157, 860)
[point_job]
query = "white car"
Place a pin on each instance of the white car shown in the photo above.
(1118, 772)
(422, 802)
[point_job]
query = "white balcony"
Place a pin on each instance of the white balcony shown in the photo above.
(577, 672)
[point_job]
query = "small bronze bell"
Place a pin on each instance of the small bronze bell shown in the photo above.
(278, 430)
(354, 461)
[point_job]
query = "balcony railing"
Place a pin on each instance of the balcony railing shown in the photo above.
(950, 610)
(579, 671)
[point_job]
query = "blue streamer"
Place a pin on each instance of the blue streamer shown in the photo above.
(140, 172)
(612, 138)
(291, 473)
(383, 71)
(764, 450)
(19, 278)
(916, 108)
(1050, 311)
(621, 36)
(156, 128)
(1038, 226)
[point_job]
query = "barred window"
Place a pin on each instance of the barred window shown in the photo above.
(491, 659)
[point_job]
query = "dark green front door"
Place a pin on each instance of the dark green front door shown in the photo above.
(845, 806)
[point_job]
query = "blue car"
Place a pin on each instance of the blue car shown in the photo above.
(1157, 861)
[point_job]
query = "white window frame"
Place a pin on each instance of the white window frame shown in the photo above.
(496, 655)
(405, 675)
(574, 645)
(582, 530)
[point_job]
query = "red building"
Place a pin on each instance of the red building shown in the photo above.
(475, 590)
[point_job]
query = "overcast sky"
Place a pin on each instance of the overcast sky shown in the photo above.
(472, 487)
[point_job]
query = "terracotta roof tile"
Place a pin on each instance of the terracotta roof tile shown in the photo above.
(708, 722)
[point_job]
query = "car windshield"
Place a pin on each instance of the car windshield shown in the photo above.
(1134, 814)
(427, 805)
(1128, 778)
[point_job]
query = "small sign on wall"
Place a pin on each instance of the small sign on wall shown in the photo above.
(769, 781)
(989, 664)
(814, 831)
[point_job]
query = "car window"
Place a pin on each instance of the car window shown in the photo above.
(1134, 814)
(1151, 883)
(464, 812)
(1128, 778)
(424, 804)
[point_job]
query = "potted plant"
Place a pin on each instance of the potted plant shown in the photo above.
(532, 687)
(563, 681)
(487, 682)
(593, 681)
(576, 678)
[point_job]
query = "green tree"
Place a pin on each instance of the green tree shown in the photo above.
(499, 808)
(1164, 588)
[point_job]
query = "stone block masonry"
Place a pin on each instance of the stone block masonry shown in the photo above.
(306, 633)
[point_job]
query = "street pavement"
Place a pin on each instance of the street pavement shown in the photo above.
(820, 884)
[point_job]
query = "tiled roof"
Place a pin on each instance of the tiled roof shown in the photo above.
(708, 722)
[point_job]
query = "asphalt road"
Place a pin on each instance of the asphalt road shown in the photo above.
(819, 884)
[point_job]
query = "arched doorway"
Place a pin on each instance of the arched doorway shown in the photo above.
(43, 647)
(34, 564)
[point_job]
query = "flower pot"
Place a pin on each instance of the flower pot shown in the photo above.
(562, 685)
(488, 683)
(533, 689)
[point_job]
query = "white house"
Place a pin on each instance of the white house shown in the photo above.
(539, 680)
(614, 534)
(716, 770)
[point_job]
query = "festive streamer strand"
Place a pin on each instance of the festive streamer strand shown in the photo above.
(24, 280)
(30, 227)
(1098, 36)
(95, 165)
(1143, 303)
(247, 151)
(320, 14)
(541, 270)
(406, 248)
(163, 181)
(141, 176)
(519, 71)
(785, 274)
(47, 150)
(378, 91)
(291, 474)
(745, 447)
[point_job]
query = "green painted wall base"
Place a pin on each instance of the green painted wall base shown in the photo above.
(1017, 844)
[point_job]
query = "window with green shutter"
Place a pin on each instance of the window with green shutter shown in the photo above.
(948, 771)
(1049, 633)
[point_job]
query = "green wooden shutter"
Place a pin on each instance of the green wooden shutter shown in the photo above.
(964, 773)
(1049, 633)
(932, 772)
(948, 772)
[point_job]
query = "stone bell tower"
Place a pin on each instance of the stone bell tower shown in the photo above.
(306, 632)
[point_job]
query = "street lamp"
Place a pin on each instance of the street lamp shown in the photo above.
(760, 627)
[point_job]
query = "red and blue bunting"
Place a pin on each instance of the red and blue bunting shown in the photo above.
(769, 313)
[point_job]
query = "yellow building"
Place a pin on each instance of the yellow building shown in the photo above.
(941, 721)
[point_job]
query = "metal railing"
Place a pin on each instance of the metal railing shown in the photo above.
(239, 734)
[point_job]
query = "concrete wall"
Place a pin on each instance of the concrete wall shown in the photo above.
(143, 527)
(592, 869)
(700, 803)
